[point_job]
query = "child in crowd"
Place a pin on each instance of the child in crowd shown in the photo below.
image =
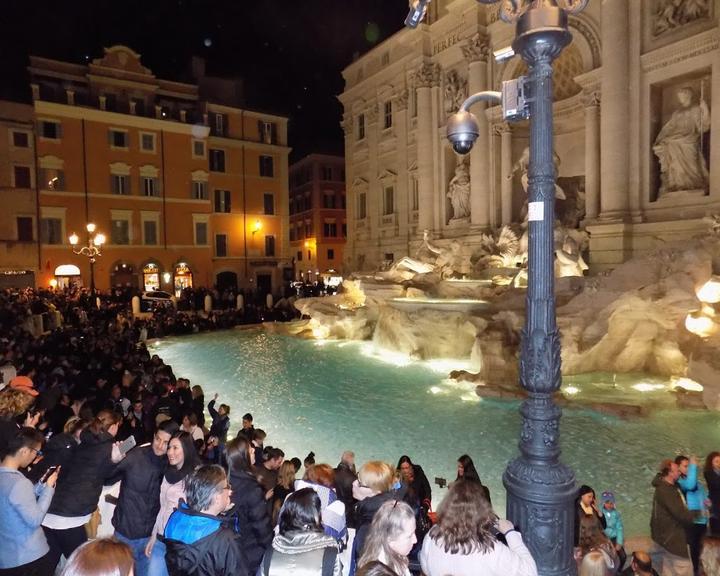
(614, 525)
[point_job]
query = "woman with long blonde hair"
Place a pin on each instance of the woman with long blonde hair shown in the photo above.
(391, 537)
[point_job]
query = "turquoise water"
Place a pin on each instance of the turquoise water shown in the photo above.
(333, 396)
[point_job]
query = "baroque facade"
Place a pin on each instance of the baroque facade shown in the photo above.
(636, 140)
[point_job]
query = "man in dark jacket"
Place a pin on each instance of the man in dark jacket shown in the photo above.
(141, 473)
(199, 541)
(345, 475)
(669, 522)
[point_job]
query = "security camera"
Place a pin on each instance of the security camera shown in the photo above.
(462, 131)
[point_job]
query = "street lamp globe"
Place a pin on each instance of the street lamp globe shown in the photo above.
(74, 239)
(99, 239)
(90, 227)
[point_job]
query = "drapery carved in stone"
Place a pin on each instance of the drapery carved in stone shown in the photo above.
(671, 14)
(455, 91)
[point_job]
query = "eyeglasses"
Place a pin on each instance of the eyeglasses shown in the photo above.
(37, 452)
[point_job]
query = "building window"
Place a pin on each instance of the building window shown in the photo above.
(389, 257)
(217, 160)
(222, 201)
(361, 127)
(120, 231)
(299, 256)
(198, 149)
(199, 190)
(389, 201)
(269, 245)
(201, 233)
(21, 139)
(308, 229)
(150, 232)
(220, 245)
(120, 184)
(147, 141)
(415, 203)
(267, 131)
(24, 229)
(50, 129)
(344, 230)
(413, 103)
(219, 125)
(326, 172)
(51, 231)
(329, 199)
(52, 179)
(292, 233)
(388, 115)
(362, 205)
(118, 138)
(269, 203)
(342, 201)
(309, 255)
(330, 230)
(267, 167)
(385, 59)
(22, 176)
(150, 186)
(331, 254)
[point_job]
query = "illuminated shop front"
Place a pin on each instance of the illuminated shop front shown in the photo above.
(151, 277)
(182, 278)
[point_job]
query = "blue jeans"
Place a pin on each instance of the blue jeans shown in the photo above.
(138, 551)
(158, 567)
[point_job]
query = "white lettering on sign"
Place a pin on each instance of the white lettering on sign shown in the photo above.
(536, 211)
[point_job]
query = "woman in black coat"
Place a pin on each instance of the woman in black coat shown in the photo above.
(417, 483)
(80, 484)
(250, 504)
(712, 477)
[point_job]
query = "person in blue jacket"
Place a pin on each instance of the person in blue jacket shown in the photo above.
(697, 499)
(613, 525)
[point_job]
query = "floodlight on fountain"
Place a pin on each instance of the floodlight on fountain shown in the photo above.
(700, 324)
(571, 390)
(710, 291)
(647, 387)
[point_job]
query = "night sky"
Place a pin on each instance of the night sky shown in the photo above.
(289, 53)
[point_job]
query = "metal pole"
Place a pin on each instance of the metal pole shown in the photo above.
(541, 490)
(92, 276)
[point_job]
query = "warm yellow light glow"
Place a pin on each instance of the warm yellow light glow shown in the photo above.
(90, 227)
(687, 384)
(320, 332)
(700, 325)
(74, 239)
(572, 390)
(258, 226)
(166, 277)
(710, 291)
(53, 283)
(307, 244)
(99, 239)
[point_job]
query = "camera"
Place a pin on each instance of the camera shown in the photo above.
(442, 482)
(462, 131)
(417, 13)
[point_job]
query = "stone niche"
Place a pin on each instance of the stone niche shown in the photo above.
(680, 138)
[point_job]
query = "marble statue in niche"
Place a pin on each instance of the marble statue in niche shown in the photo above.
(522, 166)
(679, 145)
(455, 91)
(669, 14)
(459, 190)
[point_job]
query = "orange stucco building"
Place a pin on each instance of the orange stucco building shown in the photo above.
(189, 188)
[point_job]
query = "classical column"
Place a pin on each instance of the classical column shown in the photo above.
(426, 76)
(715, 128)
(615, 117)
(506, 182)
(349, 262)
(476, 51)
(592, 156)
(402, 198)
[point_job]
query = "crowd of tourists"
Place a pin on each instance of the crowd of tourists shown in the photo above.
(85, 406)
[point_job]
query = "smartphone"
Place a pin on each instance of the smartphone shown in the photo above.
(127, 445)
(49, 472)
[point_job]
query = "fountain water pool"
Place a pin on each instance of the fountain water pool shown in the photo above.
(329, 396)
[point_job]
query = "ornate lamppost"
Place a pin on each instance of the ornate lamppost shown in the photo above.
(541, 490)
(92, 250)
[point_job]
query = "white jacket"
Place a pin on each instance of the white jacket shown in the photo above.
(511, 560)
